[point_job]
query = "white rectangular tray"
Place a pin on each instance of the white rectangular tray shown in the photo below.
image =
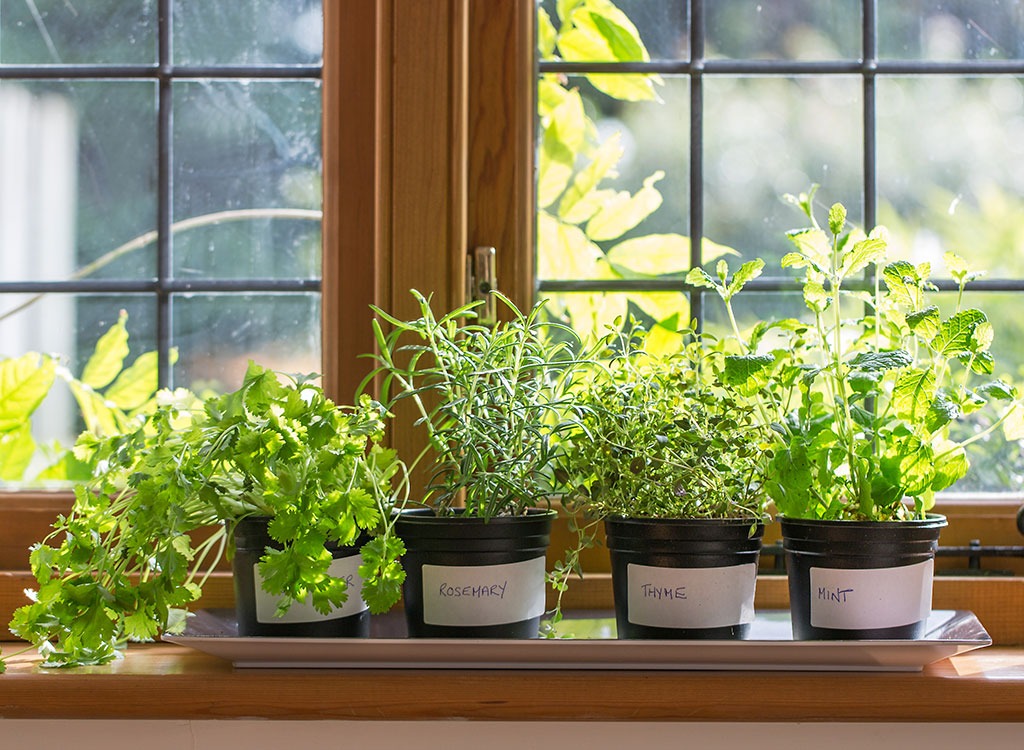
(770, 647)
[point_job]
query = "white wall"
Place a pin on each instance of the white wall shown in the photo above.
(466, 735)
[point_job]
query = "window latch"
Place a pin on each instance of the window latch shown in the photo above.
(481, 279)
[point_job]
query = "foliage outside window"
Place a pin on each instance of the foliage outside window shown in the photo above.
(662, 123)
(167, 188)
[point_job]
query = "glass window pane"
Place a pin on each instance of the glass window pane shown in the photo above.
(594, 313)
(765, 137)
(661, 25)
(71, 33)
(251, 146)
(951, 29)
(644, 192)
(247, 32)
(83, 319)
(944, 191)
(78, 178)
(784, 29)
(217, 334)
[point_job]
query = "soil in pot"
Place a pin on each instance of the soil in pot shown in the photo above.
(860, 580)
(255, 608)
(683, 578)
(471, 578)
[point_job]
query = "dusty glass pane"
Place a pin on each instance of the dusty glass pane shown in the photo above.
(765, 137)
(784, 29)
(951, 29)
(77, 179)
(217, 335)
(250, 148)
(247, 32)
(78, 32)
(954, 187)
(661, 24)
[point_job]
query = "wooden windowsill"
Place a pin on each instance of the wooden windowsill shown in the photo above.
(172, 682)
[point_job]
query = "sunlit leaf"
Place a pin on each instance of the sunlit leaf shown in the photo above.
(108, 357)
(652, 255)
(955, 334)
(624, 212)
(913, 393)
(16, 450)
(24, 383)
(545, 34)
(582, 199)
(562, 139)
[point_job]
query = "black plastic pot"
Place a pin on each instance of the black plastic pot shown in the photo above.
(860, 580)
(471, 578)
(683, 578)
(254, 607)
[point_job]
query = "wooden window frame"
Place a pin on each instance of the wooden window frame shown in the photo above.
(428, 118)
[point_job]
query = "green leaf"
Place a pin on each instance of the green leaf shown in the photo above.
(700, 278)
(813, 245)
(982, 363)
(24, 383)
(750, 370)
(137, 384)
(16, 450)
(624, 212)
(998, 390)
(982, 337)
(815, 296)
(882, 361)
(836, 218)
(546, 34)
(912, 395)
(582, 199)
(903, 282)
(1013, 424)
(941, 412)
(955, 334)
(861, 255)
(925, 323)
(746, 273)
(651, 255)
(562, 140)
(108, 358)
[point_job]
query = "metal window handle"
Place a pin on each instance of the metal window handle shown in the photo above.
(481, 279)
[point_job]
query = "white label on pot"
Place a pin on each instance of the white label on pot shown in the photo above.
(483, 594)
(342, 567)
(871, 598)
(691, 597)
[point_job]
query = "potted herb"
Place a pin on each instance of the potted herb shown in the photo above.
(862, 400)
(296, 479)
(490, 400)
(672, 461)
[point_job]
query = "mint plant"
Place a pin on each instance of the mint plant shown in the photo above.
(862, 397)
(123, 565)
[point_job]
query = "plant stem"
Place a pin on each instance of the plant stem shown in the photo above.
(195, 222)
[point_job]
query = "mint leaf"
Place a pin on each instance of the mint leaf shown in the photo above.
(912, 395)
(925, 323)
(956, 333)
(836, 218)
(882, 361)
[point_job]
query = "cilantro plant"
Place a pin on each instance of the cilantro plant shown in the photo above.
(491, 400)
(862, 398)
(124, 563)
